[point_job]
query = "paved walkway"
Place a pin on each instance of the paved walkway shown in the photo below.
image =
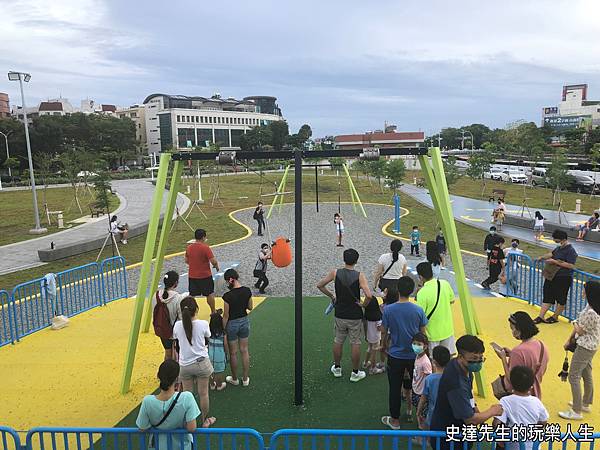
(478, 213)
(136, 200)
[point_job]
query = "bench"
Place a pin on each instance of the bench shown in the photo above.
(95, 211)
(549, 227)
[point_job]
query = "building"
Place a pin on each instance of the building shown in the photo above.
(573, 111)
(178, 121)
(4, 105)
(380, 139)
(137, 114)
(62, 107)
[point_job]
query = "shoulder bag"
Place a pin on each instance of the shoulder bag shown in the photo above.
(437, 300)
(151, 443)
(498, 387)
(385, 273)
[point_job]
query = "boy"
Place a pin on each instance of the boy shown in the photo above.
(440, 240)
(495, 264)
(488, 243)
(441, 357)
(415, 239)
(512, 287)
(260, 269)
(521, 408)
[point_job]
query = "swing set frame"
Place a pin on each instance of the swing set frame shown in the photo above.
(432, 167)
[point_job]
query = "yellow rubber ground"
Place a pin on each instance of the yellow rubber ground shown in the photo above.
(71, 377)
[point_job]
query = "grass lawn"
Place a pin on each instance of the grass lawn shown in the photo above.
(17, 215)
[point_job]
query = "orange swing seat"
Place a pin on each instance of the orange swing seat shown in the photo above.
(281, 252)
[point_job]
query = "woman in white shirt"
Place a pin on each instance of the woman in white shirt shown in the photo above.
(390, 267)
(196, 369)
(586, 332)
(538, 226)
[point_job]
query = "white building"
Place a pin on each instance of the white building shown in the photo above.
(574, 110)
(62, 107)
(177, 121)
(137, 114)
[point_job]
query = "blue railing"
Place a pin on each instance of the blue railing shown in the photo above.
(31, 306)
(524, 280)
(9, 439)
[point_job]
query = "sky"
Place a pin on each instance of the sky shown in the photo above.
(340, 66)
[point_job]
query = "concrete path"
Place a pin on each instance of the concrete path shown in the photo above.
(478, 213)
(136, 201)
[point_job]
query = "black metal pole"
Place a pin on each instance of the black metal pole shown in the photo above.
(298, 278)
(317, 185)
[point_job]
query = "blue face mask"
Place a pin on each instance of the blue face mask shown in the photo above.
(418, 349)
(474, 366)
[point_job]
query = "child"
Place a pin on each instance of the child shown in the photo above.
(260, 269)
(420, 345)
(415, 238)
(441, 357)
(440, 240)
(172, 299)
(373, 334)
(512, 275)
(521, 408)
(495, 264)
(339, 228)
(434, 257)
(538, 226)
(216, 351)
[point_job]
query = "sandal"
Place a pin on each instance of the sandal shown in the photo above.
(538, 320)
(208, 422)
(387, 420)
(552, 319)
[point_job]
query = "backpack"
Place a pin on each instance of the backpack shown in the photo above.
(161, 319)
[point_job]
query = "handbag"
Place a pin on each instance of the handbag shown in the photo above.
(498, 387)
(572, 345)
(384, 274)
(550, 271)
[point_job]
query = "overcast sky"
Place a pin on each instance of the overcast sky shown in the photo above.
(341, 66)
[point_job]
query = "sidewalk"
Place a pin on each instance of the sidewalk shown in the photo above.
(136, 200)
(477, 213)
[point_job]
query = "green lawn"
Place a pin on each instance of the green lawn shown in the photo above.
(17, 214)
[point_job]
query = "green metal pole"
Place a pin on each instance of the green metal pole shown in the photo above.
(352, 197)
(162, 243)
(433, 192)
(279, 190)
(353, 188)
(287, 169)
(145, 271)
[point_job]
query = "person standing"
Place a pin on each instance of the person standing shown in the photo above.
(260, 269)
(436, 298)
(415, 240)
(488, 243)
(434, 257)
(400, 322)
(440, 240)
(586, 333)
(339, 228)
(390, 267)
(512, 266)
(495, 264)
(172, 300)
(199, 257)
(259, 216)
(538, 226)
(556, 289)
(348, 322)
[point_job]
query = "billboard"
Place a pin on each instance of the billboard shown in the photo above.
(551, 110)
(565, 122)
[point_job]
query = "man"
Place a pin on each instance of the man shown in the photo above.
(436, 298)
(455, 405)
(259, 216)
(348, 311)
(199, 257)
(400, 322)
(495, 264)
(556, 290)
(488, 243)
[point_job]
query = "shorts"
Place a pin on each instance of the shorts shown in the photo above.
(201, 368)
(348, 327)
(201, 286)
(373, 333)
(557, 290)
(238, 329)
(538, 228)
(415, 398)
(449, 343)
(387, 283)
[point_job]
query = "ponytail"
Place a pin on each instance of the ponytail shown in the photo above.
(395, 247)
(188, 310)
(170, 279)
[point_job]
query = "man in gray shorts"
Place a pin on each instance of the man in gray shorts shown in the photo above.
(348, 311)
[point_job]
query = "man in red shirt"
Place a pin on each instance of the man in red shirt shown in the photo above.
(199, 258)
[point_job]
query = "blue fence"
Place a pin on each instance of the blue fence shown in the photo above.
(524, 280)
(32, 305)
(9, 439)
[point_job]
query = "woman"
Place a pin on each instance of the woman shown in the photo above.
(390, 267)
(586, 333)
(118, 230)
(169, 410)
(237, 303)
(433, 255)
(170, 297)
(538, 226)
(531, 352)
(259, 216)
(196, 369)
(590, 224)
(499, 213)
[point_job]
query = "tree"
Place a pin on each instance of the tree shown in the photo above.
(256, 138)
(479, 165)
(44, 165)
(71, 167)
(12, 163)
(280, 132)
(451, 171)
(336, 162)
(377, 170)
(103, 189)
(557, 175)
(394, 172)
(305, 132)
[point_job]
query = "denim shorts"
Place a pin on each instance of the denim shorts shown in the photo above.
(238, 329)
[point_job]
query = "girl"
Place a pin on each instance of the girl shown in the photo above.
(423, 368)
(339, 228)
(169, 296)
(372, 322)
(538, 226)
(390, 267)
(195, 365)
(433, 255)
(216, 351)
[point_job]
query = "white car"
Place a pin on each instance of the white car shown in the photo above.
(86, 173)
(493, 174)
(514, 177)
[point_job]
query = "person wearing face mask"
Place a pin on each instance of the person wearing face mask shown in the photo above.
(237, 303)
(489, 241)
(455, 405)
(556, 287)
(530, 352)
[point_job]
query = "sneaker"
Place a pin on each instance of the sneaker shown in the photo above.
(380, 366)
(570, 415)
(246, 382)
(124, 242)
(230, 380)
(336, 371)
(222, 386)
(357, 376)
(376, 370)
(261, 291)
(584, 408)
(329, 308)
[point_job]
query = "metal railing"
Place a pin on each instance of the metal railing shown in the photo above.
(525, 280)
(9, 439)
(31, 306)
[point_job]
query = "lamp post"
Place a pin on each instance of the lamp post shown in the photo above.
(7, 153)
(20, 77)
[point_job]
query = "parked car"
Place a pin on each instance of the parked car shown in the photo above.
(87, 173)
(583, 183)
(493, 174)
(513, 177)
(122, 169)
(538, 177)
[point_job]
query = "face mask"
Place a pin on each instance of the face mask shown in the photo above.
(514, 245)
(474, 366)
(557, 242)
(492, 232)
(418, 349)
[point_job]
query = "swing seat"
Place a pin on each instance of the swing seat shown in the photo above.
(281, 252)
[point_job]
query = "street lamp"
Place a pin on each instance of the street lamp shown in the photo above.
(20, 77)
(7, 153)
(472, 139)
